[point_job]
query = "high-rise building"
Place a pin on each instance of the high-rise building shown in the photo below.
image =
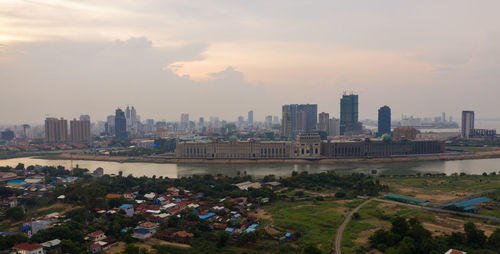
(184, 121)
(79, 130)
(110, 125)
(201, 122)
(269, 121)
(467, 124)
(133, 115)
(84, 117)
(120, 124)
(276, 120)
(56, 130)
(384, 121)
(349, 123)
(250, 117)
(334, 127)
(298, 118)
(323, 122)
(27, 132)
(444, 117)
(127, 116)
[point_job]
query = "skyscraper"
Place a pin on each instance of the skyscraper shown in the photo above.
(384, 121)
(250, 117)
(184, 121)
(298, 118)
(133, 115)
(120, 124)
(349, 114)
(467, 124)
(79, 130)
(56, 130)
(323, 122)
(127, 117)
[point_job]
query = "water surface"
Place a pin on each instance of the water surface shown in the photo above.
(173, 170)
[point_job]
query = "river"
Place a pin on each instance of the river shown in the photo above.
(172, 170)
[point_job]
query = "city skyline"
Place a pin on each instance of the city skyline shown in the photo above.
(167, 58)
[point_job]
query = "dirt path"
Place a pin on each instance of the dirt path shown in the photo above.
(340, 230)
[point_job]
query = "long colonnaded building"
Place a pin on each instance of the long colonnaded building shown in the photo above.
(307, 146)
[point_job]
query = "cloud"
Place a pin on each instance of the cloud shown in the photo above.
(67, 78)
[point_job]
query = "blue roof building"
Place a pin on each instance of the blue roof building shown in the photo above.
(468, 205)
(206, 216)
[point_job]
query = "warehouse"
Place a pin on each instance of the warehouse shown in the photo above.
(406, 199)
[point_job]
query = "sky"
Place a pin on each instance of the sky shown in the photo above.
(223, 58)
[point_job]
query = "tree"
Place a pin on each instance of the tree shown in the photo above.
(311, 249)
(222, 237)
(356, 216)
(340, 194)
(494, 240)
(400, 226)
(15, 213)
(474, 236)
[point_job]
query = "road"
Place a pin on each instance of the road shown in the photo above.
(340, 230)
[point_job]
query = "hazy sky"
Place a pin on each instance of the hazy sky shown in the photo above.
(223, 58)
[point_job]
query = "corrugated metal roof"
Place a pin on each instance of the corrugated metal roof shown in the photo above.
(470, 202)
(405, 198)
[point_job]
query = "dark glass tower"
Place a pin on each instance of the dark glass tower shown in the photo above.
(349, 114)
(120, 124)
(384, 121)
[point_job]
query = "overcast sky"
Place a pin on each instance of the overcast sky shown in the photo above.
(224, 58)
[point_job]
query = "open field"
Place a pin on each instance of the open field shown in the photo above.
(376, 215)
(7, 225)
(315, 221)
(455, 185)
(148, 244)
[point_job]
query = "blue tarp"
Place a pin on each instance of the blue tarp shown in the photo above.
(25, 227)
(15, 181)
(288, 235)
(206, 216)
(126, 206)
(251, 228)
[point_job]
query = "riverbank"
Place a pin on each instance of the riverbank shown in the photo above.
(416, 158)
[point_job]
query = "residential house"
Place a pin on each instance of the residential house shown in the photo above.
(95, 248)
(97, 236)
(142, 233)
(27, 248)
(52, 245)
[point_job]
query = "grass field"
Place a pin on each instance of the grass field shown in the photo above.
(468, 183)
(315, 221)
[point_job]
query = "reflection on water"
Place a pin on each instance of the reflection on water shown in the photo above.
(279, 169)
